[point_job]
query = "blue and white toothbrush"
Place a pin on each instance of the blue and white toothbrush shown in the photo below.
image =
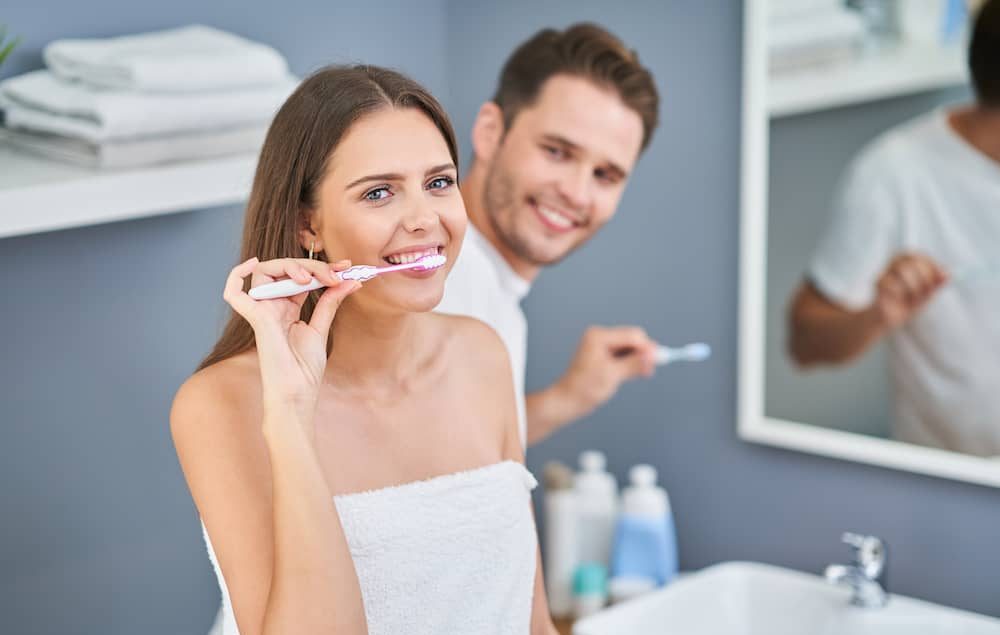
(696, 352)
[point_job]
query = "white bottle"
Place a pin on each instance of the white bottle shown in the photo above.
(560, 538)
(597, 509)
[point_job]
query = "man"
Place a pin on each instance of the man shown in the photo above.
(552, 152)
(913, 255)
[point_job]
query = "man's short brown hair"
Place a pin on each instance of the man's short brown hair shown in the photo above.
(582, 50)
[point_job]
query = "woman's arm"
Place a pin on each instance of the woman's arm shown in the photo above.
(541, 619)
(504, 400)
(260, 491)
(314, 588)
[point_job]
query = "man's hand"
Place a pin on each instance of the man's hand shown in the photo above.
(905, 287)
(604, 360)
(824, 332)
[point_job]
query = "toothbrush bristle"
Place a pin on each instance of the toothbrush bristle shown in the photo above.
(699, 351)
(432, 262)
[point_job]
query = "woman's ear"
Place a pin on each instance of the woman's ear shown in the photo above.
(308, 237)
(487, 131)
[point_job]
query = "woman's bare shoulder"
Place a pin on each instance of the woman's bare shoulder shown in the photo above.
(218, 395)
(479, 358)
(475, 341)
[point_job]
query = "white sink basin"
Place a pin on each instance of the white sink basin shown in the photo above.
(745, 598)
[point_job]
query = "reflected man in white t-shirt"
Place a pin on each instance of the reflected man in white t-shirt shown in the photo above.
(553, 151)
(913, 255)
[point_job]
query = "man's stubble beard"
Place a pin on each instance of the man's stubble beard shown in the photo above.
(501, 212)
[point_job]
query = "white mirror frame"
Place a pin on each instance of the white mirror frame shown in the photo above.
(753, 424)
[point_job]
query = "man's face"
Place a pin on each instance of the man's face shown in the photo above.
(561, 169)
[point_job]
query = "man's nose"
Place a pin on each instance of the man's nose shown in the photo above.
(575, 187)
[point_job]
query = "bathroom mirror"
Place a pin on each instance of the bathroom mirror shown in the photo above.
(870, 251)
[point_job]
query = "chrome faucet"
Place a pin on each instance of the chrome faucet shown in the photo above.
(863, 575)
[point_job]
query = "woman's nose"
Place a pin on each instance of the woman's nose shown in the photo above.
(420, 216)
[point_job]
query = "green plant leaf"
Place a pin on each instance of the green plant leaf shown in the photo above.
(5, 51)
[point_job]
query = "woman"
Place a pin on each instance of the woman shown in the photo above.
(361, 397)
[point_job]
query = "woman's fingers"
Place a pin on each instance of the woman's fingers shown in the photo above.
(279, 268)
(325, 272)
(233, 292)
(300, 270)
(329, 302)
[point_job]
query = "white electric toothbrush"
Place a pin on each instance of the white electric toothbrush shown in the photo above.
(288, 287)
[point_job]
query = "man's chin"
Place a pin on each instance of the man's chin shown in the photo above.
(537, 249)
(547, 257)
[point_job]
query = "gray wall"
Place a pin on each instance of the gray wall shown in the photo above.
(98, 533)
(808, 155)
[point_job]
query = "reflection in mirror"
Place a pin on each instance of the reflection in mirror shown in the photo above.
(883, 221)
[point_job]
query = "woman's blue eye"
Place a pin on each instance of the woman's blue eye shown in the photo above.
(441, 182)
(378, 194)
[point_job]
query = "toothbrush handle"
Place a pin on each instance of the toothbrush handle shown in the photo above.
(287, 288)
(283, 289)
(665, 355)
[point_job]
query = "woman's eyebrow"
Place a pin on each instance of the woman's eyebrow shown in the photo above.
(440, 168)
(392, 176)
(376, 177)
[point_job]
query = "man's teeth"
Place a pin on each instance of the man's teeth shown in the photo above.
(555, 218)
(403, 259)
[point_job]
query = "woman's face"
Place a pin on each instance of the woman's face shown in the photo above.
(390, 195)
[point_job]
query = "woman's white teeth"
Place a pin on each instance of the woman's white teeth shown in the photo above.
(403, 259)
(555, 218)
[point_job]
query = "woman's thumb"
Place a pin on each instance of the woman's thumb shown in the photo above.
(328, 303)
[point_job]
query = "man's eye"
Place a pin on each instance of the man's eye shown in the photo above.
(605, 176)
(378, 194)
(554, 152)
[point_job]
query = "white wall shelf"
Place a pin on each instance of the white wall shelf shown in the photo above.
(39, 195)
(902, 70)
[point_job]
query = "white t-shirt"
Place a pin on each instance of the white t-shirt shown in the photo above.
(482, 285)
(921, 187)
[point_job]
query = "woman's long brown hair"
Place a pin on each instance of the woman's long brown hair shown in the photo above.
(303, 135)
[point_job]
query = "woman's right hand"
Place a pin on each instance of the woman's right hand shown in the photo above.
(292, 353)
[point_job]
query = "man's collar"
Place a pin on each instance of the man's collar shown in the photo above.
(509, 279)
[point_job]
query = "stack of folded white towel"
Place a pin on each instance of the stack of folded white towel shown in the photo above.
(183, 93)
(809, 33)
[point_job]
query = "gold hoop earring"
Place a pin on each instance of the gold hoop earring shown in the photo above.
(312, 248)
